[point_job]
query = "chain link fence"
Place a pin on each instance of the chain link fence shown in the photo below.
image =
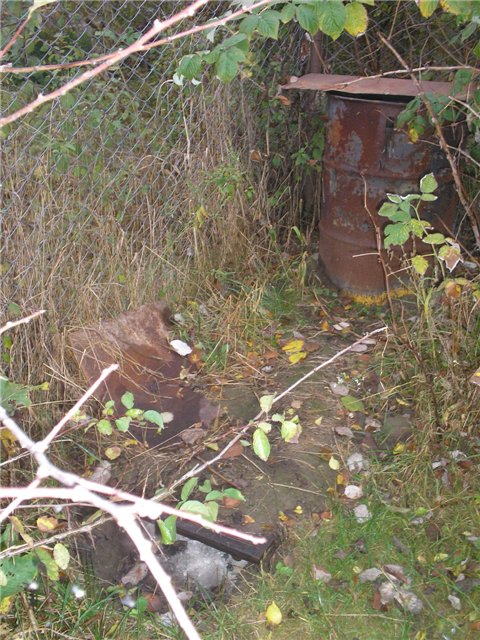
(109, 192)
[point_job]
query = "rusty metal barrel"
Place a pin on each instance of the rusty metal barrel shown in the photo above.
(365, 158)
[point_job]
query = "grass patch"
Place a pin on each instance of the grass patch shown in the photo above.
(433, 552)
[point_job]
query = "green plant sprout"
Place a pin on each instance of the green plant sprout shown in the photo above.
(105, 424)
(208, 509)
(403, 213)
(290, 428)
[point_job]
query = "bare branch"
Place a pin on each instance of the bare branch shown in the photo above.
(15, 323)
(443, 143)
(121, 54)
(44, 444)
(16, 35)
(82, 490)
(199, 468)
(94, 61)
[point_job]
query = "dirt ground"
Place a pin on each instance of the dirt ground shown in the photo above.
(293, 483)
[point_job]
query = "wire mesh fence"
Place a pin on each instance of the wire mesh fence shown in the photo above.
(103, 187)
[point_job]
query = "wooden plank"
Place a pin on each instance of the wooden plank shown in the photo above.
(239, 549)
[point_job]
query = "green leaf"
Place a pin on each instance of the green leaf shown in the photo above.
(104, 427)
(127, 400)
(13, 396)
(188, 488)
(420, 264)
(122, 424)
(405, 205)
(190, 66)
(266, 403)
(199, 508)
(418, 227)
(214, 495)
(231, 492)
(51, 567)
(307, 18)
(240, 41)
(227, 64)
(356, 19)
(206, 487)
(434, 238)
(428, 197)
(14, 309)
(331, 16)
(352, 404)
(457, 7)
(396, 234)
(268, 24)
(463, 77)
(249, 24)
(213, 510)
(266, 427)
(290, 430)
(155, 417)
(388, 209)
(401, 216)
(468, 31)
(427, 7)
(61, 555)
(168, 529)
(18, 572)
(428, 184)
(68, 100)
(393, 197)
(287, 13)
(134, 413)
(261, 444)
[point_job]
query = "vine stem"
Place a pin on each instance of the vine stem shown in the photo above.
(443, 143)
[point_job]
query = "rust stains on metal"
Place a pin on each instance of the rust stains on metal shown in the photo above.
(370, 86)
(366, 158)
(148, 368)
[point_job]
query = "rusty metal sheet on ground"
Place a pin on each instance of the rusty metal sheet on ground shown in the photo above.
(370, 86)
(148, 367)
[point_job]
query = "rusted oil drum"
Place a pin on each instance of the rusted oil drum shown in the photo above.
(366, 158)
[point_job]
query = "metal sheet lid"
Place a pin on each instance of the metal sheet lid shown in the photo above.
(368, 86)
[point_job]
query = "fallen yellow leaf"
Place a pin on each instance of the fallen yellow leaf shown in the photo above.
(5, 604)
(293, 346)
(112, 453)
(298, 510)
(273, 614)
(398, 448)
(334, 464)
(47, 523)
(296, 357)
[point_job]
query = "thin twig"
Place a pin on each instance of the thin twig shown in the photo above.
(95, 61)
(118, 56)
(15, 36)
(43, 445)
(14, 323)
(198, 469)
(443, 143)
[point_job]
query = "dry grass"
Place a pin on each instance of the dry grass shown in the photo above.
(191, 226)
